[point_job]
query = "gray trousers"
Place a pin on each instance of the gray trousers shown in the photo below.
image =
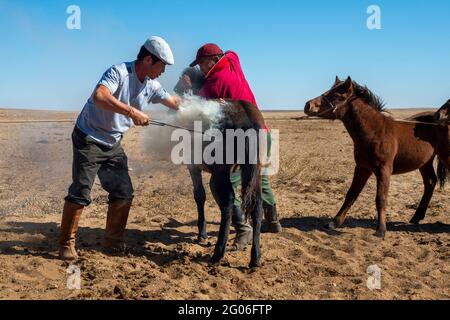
(91, 159)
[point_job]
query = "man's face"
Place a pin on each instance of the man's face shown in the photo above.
(154, 70)
(206, 64)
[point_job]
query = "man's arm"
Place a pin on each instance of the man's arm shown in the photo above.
(172, 102)
(104, 99)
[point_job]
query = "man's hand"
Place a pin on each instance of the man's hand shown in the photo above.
(186, 80)
(104, 99)
(139, 118)
(172, 102)
(222, 101)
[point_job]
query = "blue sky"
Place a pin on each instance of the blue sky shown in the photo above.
(290, 50)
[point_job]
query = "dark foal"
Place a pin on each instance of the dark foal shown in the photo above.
(236, 115)
(382, 146)
(191, 80)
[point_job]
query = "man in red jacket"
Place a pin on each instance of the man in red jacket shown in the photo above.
(224, 79)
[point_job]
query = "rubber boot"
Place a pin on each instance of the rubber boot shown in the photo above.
(69, 226)
(270, 224)
(116, 222)
(244, 232)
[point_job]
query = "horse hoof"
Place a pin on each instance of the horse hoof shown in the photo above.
(234, 248)
(380, 234)
(331, 225)
(215, 260)
(202, 239)
(255, 264)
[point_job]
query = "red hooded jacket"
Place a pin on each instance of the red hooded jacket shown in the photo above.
(226, 80)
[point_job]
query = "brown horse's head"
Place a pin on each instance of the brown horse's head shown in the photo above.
(333, 104)
(327, 105)
(442, 116)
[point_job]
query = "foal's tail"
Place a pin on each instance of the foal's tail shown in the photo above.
(442, 173)
(251, 181)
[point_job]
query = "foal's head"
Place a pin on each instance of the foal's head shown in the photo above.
(333, 104)
(191, 80)
(442, 116)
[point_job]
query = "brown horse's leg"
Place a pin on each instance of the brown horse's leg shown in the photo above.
(447, 163)
(444, 148)
(429, 182)
(445, 159)
(383, 181)
(360, 177)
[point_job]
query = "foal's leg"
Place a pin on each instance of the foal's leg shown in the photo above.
(223, 190)
(360, 177)
(256, 214)
(200, 198)
(383, 181)
(429, 182)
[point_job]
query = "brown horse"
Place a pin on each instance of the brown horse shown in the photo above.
(383, 146)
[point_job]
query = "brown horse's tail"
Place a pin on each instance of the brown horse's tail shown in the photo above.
(442, 173)
(251, 181)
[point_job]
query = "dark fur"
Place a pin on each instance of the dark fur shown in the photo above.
(237, 115)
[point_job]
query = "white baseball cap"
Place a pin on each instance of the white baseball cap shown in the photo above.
(160, 48)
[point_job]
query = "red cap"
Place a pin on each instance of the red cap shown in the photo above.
(208, 50)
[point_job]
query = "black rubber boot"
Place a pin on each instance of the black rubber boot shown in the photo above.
(244, 232)
(270, 224)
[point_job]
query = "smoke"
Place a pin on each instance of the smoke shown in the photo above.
(194, 108)
(35, 165)
(157, 139)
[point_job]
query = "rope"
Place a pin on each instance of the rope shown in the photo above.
(350, 99)
(35, 121)
(418, 122)
(152, 122)
(162, 124)
(396, 120)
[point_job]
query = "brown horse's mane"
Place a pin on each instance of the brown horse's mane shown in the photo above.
(369, 97)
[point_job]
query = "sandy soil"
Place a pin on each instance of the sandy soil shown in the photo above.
(165, 262)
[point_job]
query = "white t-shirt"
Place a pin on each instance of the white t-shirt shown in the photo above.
(107, 127)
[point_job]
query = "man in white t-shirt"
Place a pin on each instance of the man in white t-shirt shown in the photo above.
(114, 107)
